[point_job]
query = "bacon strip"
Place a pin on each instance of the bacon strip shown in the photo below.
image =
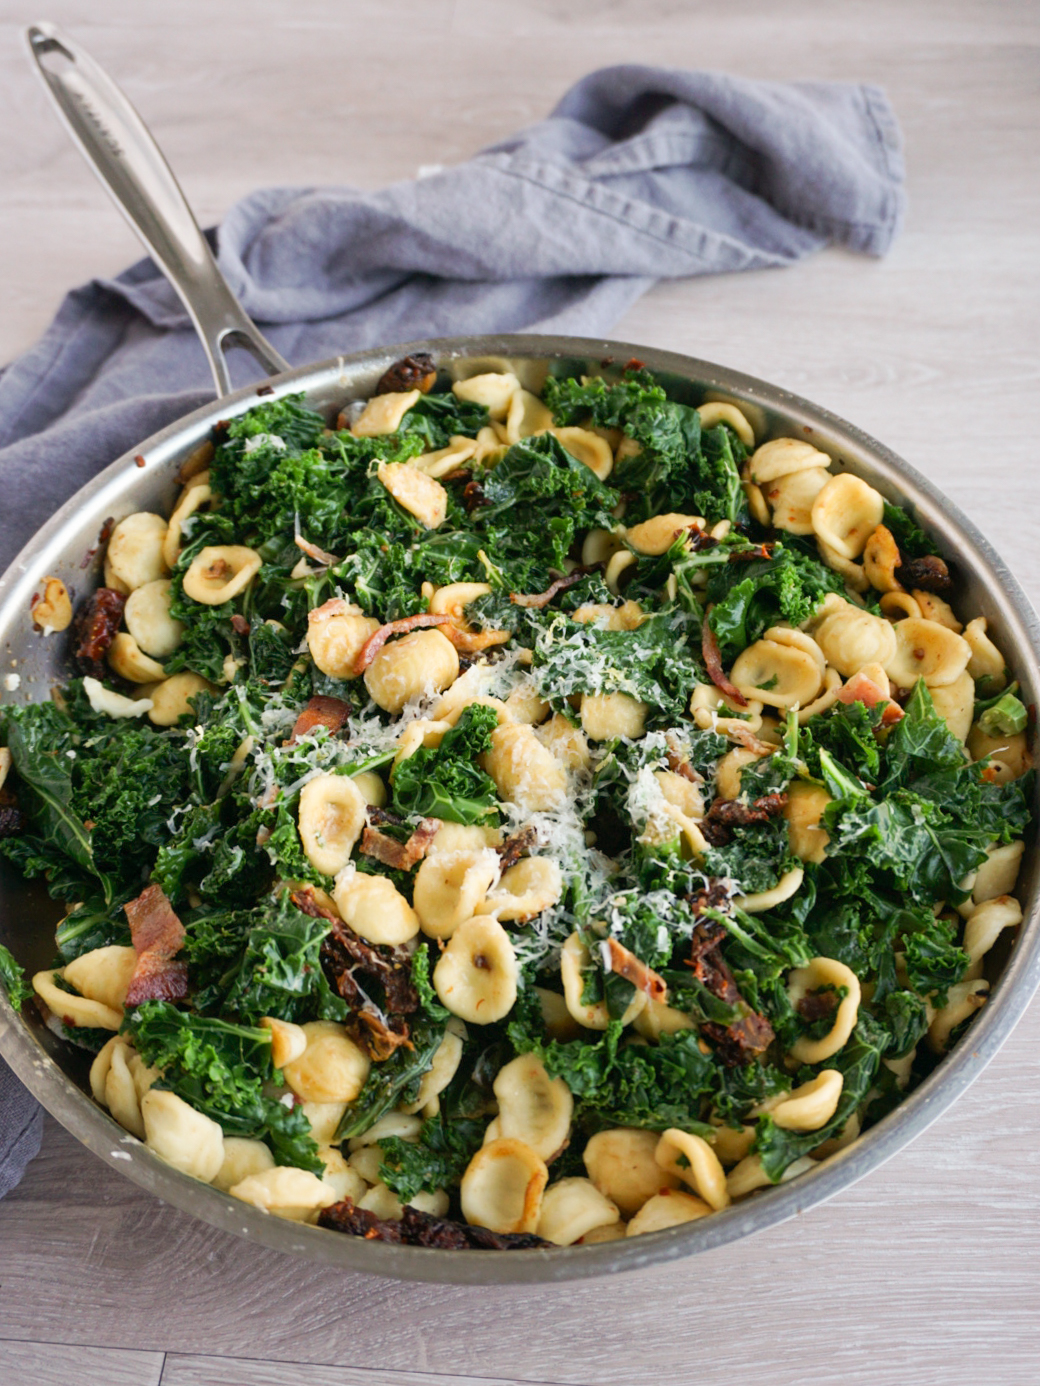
(749, 740)
(539, 599)
(320, 712)
(713, 664)
(95, 629)
(157, 934)
(312, 551)
(400, 855)
(378, 639)
(862, 689)
(473, 641)
(625, 963)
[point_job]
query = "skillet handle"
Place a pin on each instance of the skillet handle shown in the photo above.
(115, 142)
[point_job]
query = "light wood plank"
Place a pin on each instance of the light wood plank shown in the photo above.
(55, 1364)
(926, 1273)
(240, 1371)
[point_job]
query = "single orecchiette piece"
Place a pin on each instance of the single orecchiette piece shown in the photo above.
(571, 1208)
(103, 974)
(669, 1208)
(324, 1118)
(574, 960)
(778, 675)
(996, 876)
(696, 1164)
(851, 638)
(812, 1105)
(128, 660)
(399, 1124)
(926, 650)
(955, 703)
(532, 1107)
(476, 975)
(415, 492)
(621, 1163)
(789, 884)
(450, 887)
(443, 1066)
(606, 715)
(715, 412)
(288, 1040)
(589, 448)
(375, 909)
(195, 495)
(566, 742)
(421, 662)
(527, 416)
(657, 1018)
(148, 619)
(331, 819)
(709, 709)
(791, 498)
(502, 1187)
(494, 391)
(219, 572)
(749, 1175)
(453, 599)
(731, 1145)
(242, 1158)
(846, 513)
(986, 661)
(881, 558)
(962, 1001)
(78, 1011)
(656, 536)
(729, 768)
(599, 545)
(135, 550)
(336, 632)
(855, 578)
(294, 1194)
(444, 460)
(681, 793)
(1009, 755)
(803, 811)
(112, 1083)
(171, 699)
(984, 927)
(824, 972)
(524, 771)
(526, 889)
(112, 704)
(383, 413)
(339, 1177)
(331, 1069)
(628, 616)
(183, 1137)
(53, 611)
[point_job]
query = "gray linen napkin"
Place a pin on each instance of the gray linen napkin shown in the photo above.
(639, 174)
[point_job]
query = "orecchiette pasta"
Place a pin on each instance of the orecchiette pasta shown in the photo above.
(778, 675)
(171, 699)
(825, 972)
(532, 1107)
(422, 662)
(926, 650)
(220, 572)
(606, 715)
(415, 492)
(571, 1208)
(525, 771)
(574, 960)
(331, 1069)
(477, 973)
(846, 513)
(669, 1208)
(336, 633)
(331, 819)
(383, 414)
(148, 619)
(696, 1163)
(135, 550)
(812, 1105)
(782, 456)
(622, 1164)
(374, 908)
(503, 1185)
(451, 887)
(183, 1137)
(985, 660)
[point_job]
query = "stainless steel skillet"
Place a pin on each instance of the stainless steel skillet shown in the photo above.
(114, 139)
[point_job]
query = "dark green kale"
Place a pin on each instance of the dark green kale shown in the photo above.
(749, 596)
(92, 924)
(756, 856)
(437, 418)
(437, 1159)
(394, 1080)
(221, 1070)
(445, 781)
(12, 978)
(907, 533)
(288, 418)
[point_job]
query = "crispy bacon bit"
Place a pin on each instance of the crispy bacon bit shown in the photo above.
(157, 935)
(312, 551)
(12, 821)
(474, 641)
(539, 599)
(416, 1228)
(382, 815)
(400, 855)
(726, 814)
(473, 496)
(713, 664)
(862, 689)
(715, 896)
(624, 962)
(752, 1034)
(749, 740)
(679, 765)
(378, 639)
(320, 711)
(94, 630)
(416, 372)
(927, 574)
(239, 623)
(517, 846)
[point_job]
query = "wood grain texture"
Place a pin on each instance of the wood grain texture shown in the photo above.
(56, 1364)
(927, 1272)
(240, 1371)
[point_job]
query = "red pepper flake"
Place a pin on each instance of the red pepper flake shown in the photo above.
(139, 459)
(634, 364)
(266, 390)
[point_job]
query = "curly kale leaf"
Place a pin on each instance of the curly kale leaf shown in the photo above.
(437, 1159)
(287, 418)
(395, 1080)
(749, 596)
(437, 418)
(445, 781)
(907, 533)
(12, 978)
(221, 1070)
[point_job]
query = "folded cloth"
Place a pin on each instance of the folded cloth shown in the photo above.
(639, 174)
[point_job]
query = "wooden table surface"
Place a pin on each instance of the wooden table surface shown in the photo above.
(929, 1270)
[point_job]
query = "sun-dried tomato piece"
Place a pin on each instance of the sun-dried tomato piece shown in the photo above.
(713, 664)
(416, 1228)
(746, 1037)
(94, 629)
(517, 846)
(726, 814)
(12, 821)
(415, 372)
(928, 574)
